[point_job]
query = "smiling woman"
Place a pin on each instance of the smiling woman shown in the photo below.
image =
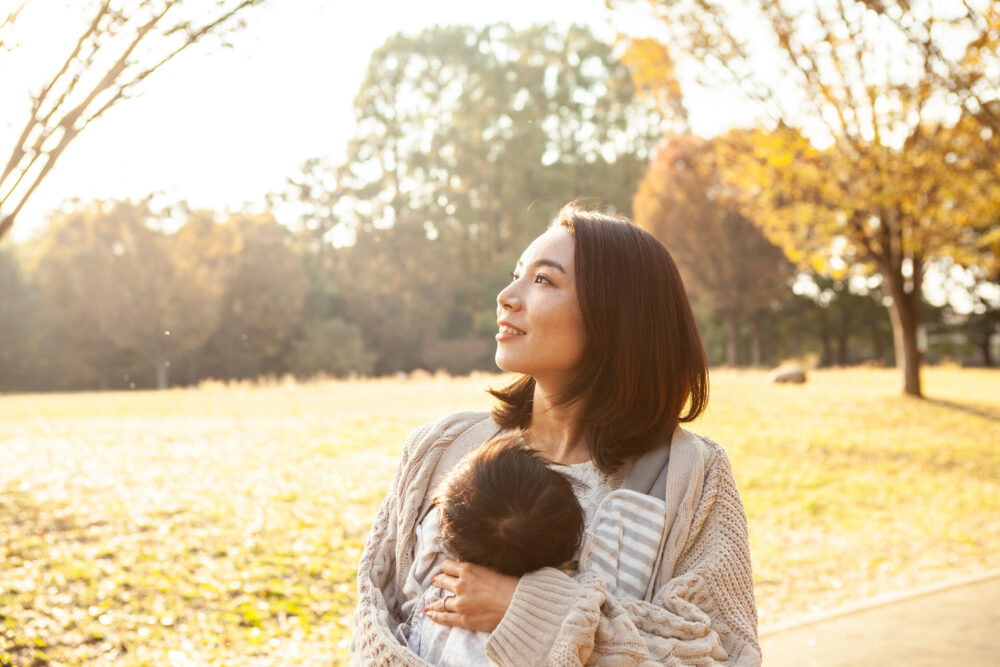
(538, 313)
(597, 323)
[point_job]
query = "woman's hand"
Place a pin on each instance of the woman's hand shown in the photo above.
(479, 599)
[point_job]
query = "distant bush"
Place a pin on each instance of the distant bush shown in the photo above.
(459, 356)
(331, 347)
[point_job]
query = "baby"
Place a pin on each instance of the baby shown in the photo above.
(502, 507)
(506, 508)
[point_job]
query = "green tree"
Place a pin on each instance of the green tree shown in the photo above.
(112, 278)
(261, 305)
(78, 353)
(203, 255)
(899, 104)
(464, 128)
(333, 347)
(397, 286)
(470, 138)
(120, 44)
(970, 308)
(17, 321)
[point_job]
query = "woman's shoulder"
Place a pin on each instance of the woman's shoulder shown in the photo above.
(449, 427)
(433, 449)
(457, 422)
(464, 425)
(695, 444)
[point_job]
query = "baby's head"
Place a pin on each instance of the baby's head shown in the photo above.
(503, 507)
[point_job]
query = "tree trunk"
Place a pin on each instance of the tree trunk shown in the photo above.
(905, 315)
(876, 338)
(826, 356)
(841, 355)
(984, 341)
(162, 374)
(192, 369)
(732, 339)
(755, 343)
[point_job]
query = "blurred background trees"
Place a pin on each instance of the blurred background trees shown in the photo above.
(877, 130)
(858, 207)
(725, 259)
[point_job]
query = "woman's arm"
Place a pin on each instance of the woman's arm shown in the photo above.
(388, 551)
(372, 639)
(373, 626)
(702, 613)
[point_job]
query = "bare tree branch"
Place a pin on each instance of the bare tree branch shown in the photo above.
(8, 22)
(63, 107)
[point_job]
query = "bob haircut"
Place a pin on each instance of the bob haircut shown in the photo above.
(643, 359)
(503, 507)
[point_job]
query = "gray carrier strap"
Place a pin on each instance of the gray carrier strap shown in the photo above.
(649, 473)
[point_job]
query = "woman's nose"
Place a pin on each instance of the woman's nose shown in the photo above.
(508, 297)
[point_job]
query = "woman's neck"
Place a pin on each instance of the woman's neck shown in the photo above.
(555, 429)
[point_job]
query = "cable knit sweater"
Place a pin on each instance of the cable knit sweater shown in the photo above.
(699, 610)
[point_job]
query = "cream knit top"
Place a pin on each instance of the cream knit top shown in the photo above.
(701, 610)
(591, 489)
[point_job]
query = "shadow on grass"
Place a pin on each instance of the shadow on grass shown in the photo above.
(990, 413)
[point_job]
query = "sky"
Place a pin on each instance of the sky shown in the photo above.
(221, 128)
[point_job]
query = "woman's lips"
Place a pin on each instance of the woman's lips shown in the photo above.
(508, 331)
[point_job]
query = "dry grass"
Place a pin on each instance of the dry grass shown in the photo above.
(222, 526)
(854, 490)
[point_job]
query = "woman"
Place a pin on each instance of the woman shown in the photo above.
(596, 322)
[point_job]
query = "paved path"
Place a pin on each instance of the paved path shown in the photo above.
(959, 626)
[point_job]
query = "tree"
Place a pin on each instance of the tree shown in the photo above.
(120, 44)
(466, 127)
(203, 254)
(111, 273)
(332, 346)
(971, 305)
(129, 279)
(17, 314)
(467, 141)
(720, 253)
(261, 304)
(893, 213)
(397, 286)
(73, 251)
(887, 123)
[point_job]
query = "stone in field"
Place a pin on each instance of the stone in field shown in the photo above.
(788, 374)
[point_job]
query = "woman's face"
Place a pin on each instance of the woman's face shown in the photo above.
(538, 313)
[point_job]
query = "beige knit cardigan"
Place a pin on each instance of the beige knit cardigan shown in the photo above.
(700, 610)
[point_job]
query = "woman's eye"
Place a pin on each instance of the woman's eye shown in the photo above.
(541, 278)
(513, 276)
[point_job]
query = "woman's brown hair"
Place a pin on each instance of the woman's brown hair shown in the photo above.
(643, 360)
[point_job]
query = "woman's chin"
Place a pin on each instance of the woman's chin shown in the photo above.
(506, 364)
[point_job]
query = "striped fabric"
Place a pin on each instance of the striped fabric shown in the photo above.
(623, 542)
(438, 644)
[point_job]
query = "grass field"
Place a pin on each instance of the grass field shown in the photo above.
(223, 525)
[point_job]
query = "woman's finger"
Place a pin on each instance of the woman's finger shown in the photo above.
(445, 582)
(452, 567)
(444, 617)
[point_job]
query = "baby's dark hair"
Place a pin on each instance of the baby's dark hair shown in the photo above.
(504, 507)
